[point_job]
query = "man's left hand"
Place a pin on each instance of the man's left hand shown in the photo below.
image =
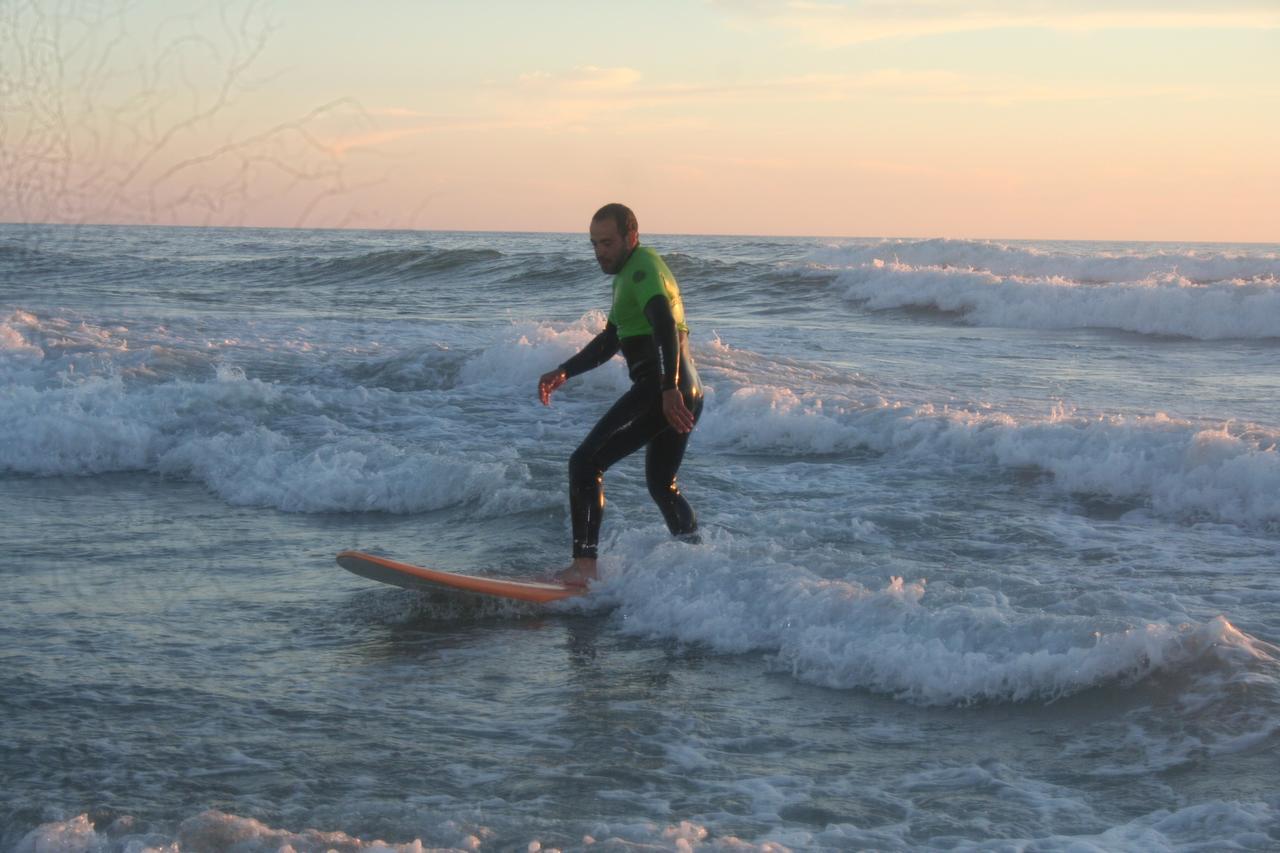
(678, 414)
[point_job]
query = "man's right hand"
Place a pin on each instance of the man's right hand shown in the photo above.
(549, 382)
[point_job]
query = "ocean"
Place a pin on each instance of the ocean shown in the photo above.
(990, 557)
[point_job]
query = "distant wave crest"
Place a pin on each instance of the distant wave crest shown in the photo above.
(401, 262)
(1207, 295)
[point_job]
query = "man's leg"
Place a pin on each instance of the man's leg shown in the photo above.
(662, 461)
(624, 429)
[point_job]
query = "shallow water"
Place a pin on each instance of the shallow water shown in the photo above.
(990, 539)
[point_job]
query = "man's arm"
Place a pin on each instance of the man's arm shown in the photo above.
(598, 350)
(667, 337)
(658, 312)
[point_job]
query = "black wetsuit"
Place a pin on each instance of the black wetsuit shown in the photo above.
(656, 362)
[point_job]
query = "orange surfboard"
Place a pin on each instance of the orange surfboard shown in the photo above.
(419, 578)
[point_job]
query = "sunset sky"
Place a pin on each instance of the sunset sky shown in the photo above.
(1126, 120)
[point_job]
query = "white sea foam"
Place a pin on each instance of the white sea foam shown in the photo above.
(260, 467)
(524, 351)
(14, 335)
(215, 830)
(1224, 298)
(1091, 263)
(76, 404)
(840, 634)
(221, 433)
(299, 447)
(1224, 472)
(1211, 825)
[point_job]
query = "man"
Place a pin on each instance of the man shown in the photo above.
(664, 402)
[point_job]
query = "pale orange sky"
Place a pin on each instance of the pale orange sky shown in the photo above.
(1129, 120)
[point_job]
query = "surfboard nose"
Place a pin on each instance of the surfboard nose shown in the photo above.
(409, 576)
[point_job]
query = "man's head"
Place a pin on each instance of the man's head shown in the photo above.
(614, 233)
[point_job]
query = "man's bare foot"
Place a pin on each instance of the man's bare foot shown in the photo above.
(580, 572)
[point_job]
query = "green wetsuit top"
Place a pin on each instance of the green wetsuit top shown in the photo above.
(661, 355)
(642, 277)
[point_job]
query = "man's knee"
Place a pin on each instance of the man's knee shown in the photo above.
(663, 492)
(582, 466)
(681, 520)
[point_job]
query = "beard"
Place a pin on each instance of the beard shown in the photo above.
(614, 266)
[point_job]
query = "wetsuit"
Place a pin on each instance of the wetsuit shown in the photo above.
(646, 322)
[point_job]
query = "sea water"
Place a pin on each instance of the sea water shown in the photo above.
(990, 557)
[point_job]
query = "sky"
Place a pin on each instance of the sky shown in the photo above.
(987, 119)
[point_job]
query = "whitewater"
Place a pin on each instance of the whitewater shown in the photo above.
(991, 533)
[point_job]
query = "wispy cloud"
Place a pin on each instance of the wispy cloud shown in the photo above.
(589, 97)
(557, 94)
(835, 24)
(584, 79)
(936, 86)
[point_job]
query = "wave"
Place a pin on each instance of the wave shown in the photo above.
(424, 368)
(1085, 263)
(330, 433)
(1227, 472)
(692, 267)
(255, 443)
(524, 268)
(1225, 298)
(41, 258)
(337, 430)
(276, 269)
(399, 263)
(843, 635)
(1236, 310)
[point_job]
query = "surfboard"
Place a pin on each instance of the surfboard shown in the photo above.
(419, 578)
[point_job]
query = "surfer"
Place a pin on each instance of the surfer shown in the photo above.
(646, 321)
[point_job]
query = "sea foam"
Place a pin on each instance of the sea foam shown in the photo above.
(1091, 263)
(841, 634)
(1183, 469)
(256, 443)
(1223, 824)
(1217, 297)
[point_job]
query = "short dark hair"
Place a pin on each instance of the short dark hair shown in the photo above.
(620, 214)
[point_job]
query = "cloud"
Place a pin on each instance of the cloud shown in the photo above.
(584, 79)
(937, 86)
(589, 97)
(909, 85)
(537, 99)
(836, 24)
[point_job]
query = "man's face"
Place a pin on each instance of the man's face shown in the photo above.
(611, 247)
